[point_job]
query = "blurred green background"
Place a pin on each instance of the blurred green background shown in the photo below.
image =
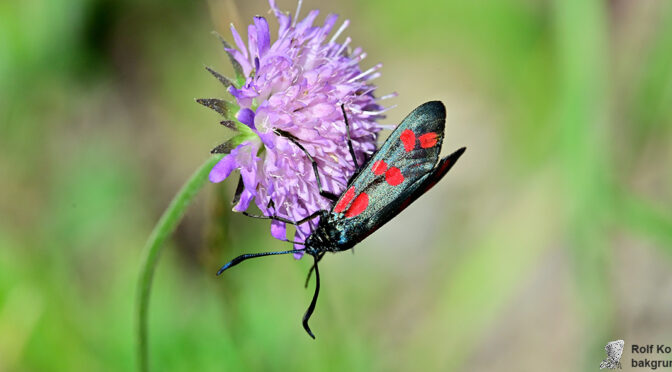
(551, 237)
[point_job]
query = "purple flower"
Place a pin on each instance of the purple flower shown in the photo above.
(295, 84)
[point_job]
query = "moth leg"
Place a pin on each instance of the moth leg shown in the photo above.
(236, 199)
(311, 307)
(294, 140)
(270, 204)
(310, 272)
(347, 132)
(285, 220)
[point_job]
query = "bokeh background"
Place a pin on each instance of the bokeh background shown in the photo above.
(551, 237)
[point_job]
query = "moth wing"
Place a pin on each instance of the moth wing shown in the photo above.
(433, 177)
(615, 349)
(390, 178)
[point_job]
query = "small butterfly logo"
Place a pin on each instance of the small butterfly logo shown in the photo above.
(614, 351)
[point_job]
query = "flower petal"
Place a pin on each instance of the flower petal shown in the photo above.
(243, 96)
(323, 109)
(329, 23)
(263, 35)
(239, 41)
(268, 139)
(283, 19)
(250, 179)
(224, 167)
(252, 40)
(245, 198)
(302, 26)
(279, 230)
(246, 116)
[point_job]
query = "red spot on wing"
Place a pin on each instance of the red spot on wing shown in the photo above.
(408, 138)
(358, 206)
(393, 176)
(428, 140)
(345, 200)
(379, 167)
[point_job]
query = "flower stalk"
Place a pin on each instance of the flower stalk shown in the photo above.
(152, 250)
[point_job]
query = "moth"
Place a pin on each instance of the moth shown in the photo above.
(614, 351)
(404, 168)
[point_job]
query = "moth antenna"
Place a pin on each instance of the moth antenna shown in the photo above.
(311, 307)
(244, 257)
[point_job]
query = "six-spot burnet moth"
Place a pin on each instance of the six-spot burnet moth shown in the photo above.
(404, 168)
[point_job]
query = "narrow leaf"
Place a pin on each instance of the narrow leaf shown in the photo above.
(229, 124)
(222, 79)
(224, 108)
(240, 76)
(224, 148)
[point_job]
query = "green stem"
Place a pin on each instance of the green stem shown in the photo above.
(166, 225)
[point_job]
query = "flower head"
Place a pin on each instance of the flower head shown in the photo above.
(295, 84)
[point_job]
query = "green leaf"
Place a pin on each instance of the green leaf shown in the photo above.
(224, 108)
(240, 76)
(222, 79)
